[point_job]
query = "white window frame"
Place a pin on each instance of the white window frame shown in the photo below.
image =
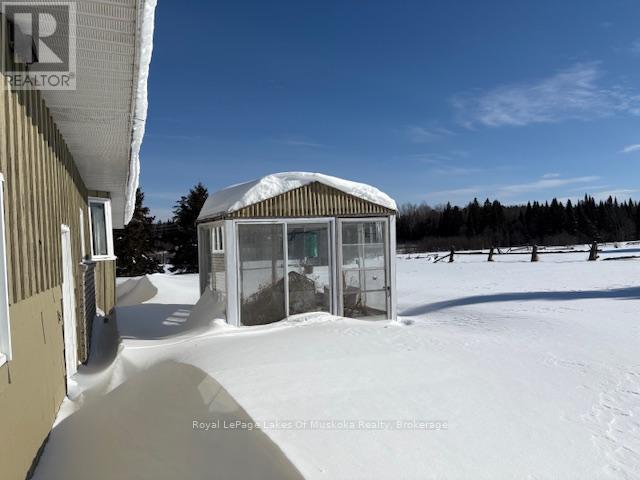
(108, 227)
(83, 248)
(284, 222)
(217, 239)
(5, 324)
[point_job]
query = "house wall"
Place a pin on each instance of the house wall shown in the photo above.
(43, 190)
(106, 285)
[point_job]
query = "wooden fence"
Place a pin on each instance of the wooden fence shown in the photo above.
(534, 252)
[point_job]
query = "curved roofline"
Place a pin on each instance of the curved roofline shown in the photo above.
(238, 196)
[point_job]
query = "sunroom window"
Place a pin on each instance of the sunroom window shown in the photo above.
(101, 229)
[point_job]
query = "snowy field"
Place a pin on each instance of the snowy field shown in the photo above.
(508, 369)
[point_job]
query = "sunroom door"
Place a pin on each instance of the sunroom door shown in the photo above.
(285, 268)
(364, 279)
(261, 273)
(309, 267)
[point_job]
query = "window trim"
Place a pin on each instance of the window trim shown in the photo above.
(5, 323)
(108, 227)
(217, 239)
(83, 248)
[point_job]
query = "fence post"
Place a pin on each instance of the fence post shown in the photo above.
(451, 255)
(593, 254)
(490, 259)
(534, 254)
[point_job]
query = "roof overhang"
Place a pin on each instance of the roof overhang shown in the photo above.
(103, 119)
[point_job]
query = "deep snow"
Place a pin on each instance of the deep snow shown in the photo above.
(526, 370)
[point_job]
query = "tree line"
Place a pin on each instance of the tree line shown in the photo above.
(138, 245)
(475, 225)
(483, 225)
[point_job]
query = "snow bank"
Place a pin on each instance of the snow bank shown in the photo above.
(134, 291)
(239, 196)
(145, 429)
(532, 370)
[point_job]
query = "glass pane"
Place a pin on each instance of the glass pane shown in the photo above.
(308, 267)
(374, 280)
(351, 256)
(376, 303)
(99, 229)
(261, 256)
(364, 276)
(374, 255)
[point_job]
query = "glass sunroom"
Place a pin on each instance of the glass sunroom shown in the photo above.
(294, 243)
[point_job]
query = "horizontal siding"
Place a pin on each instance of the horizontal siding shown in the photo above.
(312, 200)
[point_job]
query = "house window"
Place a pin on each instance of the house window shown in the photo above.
(217, 240)
(5, 328)
(101, 229)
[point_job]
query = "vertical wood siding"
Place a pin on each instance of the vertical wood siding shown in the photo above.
(312, 200)
(106, 285)
(43, 190)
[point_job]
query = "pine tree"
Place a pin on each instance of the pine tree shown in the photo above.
(185, 214)
(571, 224)
(134, 243)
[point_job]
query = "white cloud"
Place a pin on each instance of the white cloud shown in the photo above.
(425, 135)
(621, 194)
(506, 191)
(298, 142)
(551, 175)
(635, 47)
(631, 148)
(445, 163)
(455, 170)
(574, 93)
(542, 184)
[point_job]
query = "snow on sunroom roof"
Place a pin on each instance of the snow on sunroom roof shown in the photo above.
(238, 196)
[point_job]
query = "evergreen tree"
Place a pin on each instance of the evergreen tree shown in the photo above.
(134, 243)
(491, 223)
(473, 218)
(570, 222)
(185, 213)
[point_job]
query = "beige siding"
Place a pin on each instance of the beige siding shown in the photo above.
(32, 385)
(312, 200)
(43, 191)
(106, 285)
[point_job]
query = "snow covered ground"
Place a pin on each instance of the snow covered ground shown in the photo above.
(508, 369)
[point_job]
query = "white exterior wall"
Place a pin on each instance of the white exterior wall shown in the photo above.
(231, 259)
(231, 262)
(392, 267)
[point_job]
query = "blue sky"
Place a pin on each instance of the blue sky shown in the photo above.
(430, 101)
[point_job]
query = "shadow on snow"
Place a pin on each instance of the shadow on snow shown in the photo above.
(629, 293)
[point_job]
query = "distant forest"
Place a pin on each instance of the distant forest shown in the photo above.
(483, 225)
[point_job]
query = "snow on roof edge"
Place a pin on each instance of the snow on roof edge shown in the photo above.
(141, 103)
(241, 195)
